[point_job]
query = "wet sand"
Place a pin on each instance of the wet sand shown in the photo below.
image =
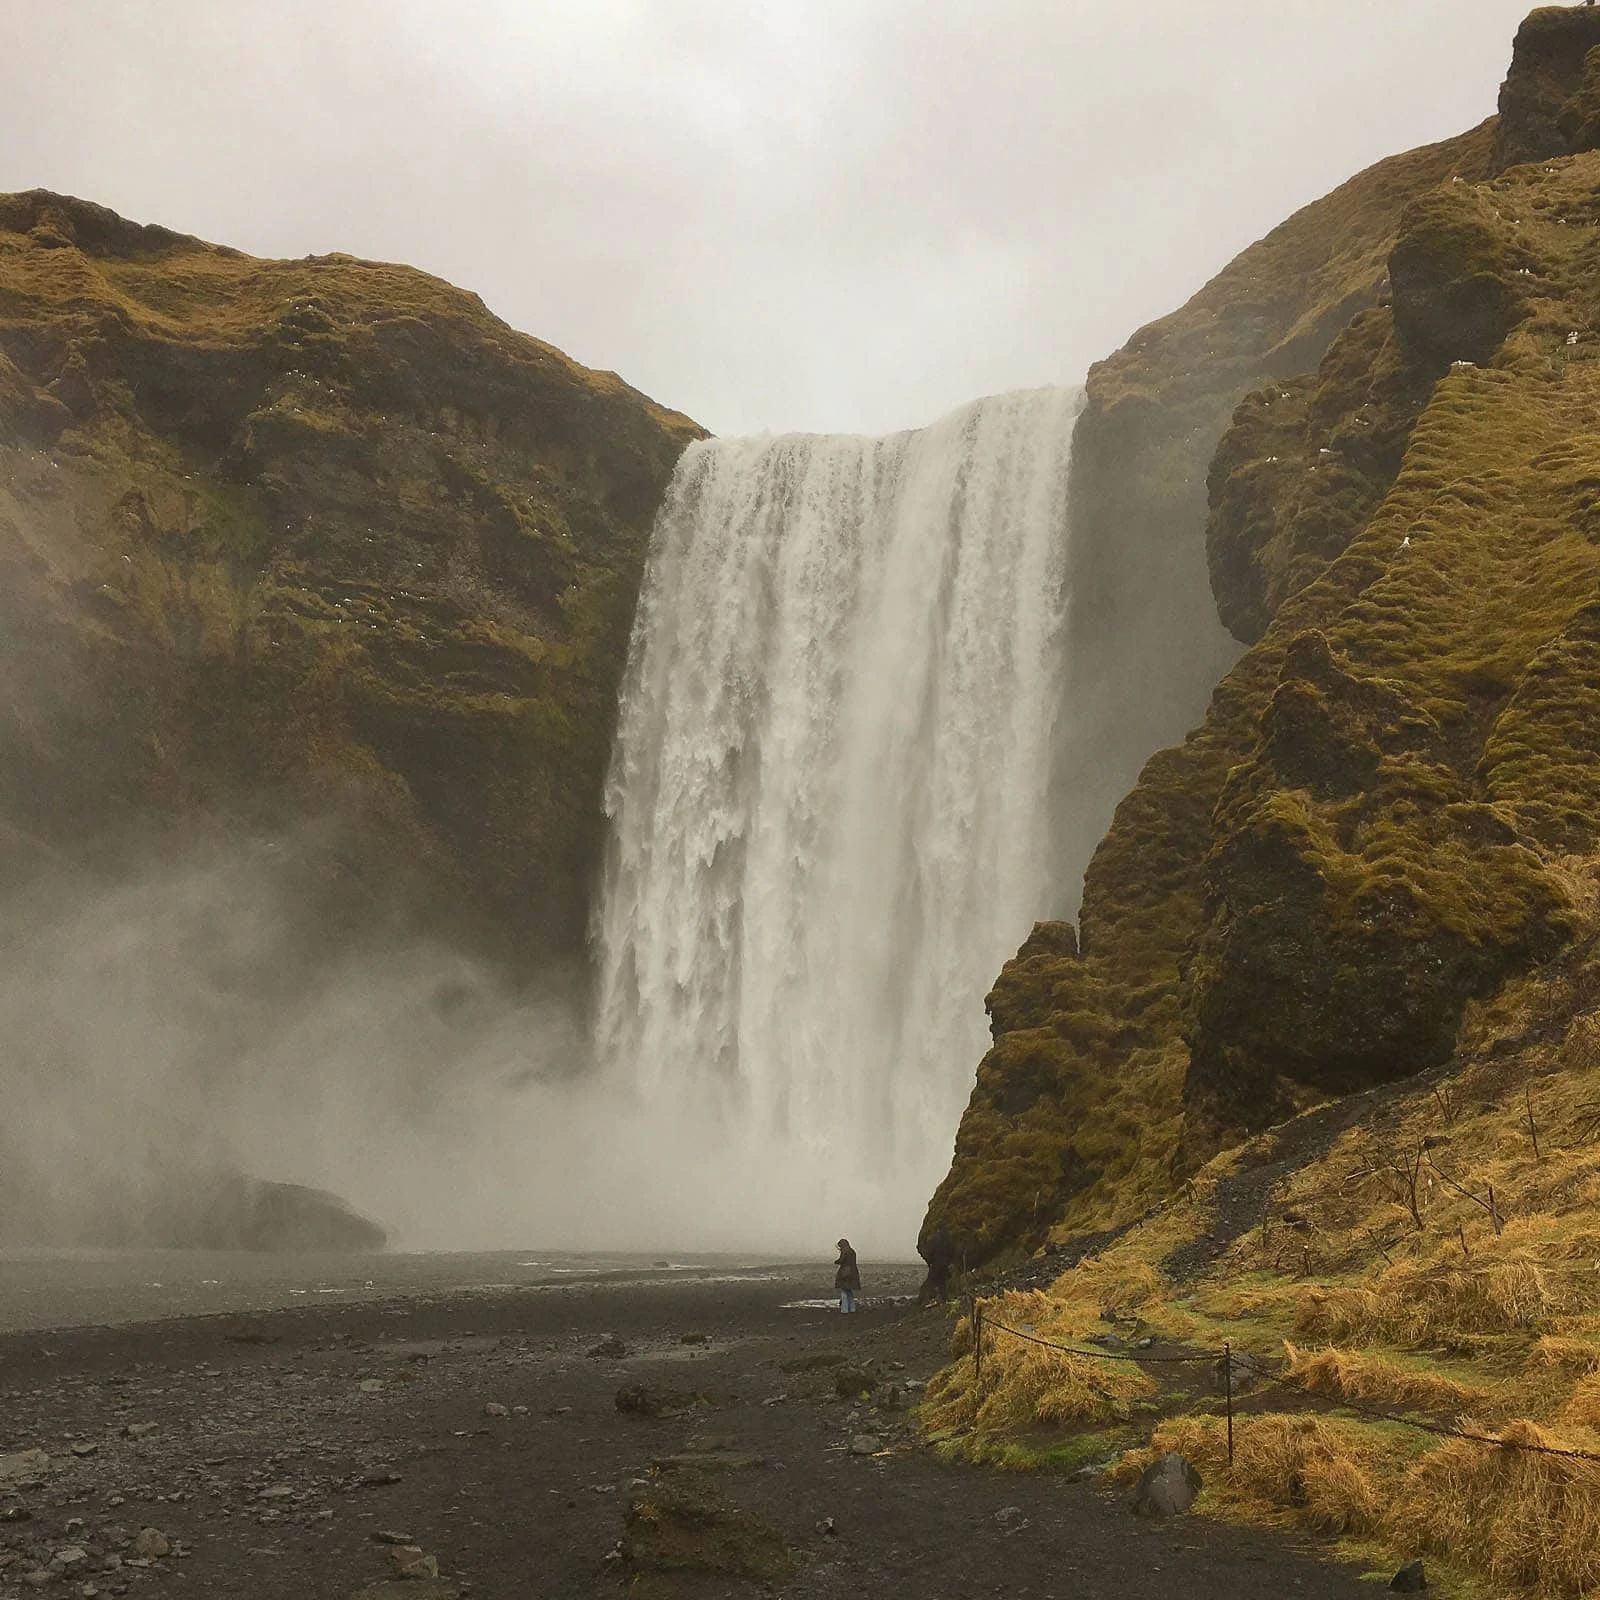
(288, 1430)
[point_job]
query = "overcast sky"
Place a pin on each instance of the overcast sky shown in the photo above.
(771, 214)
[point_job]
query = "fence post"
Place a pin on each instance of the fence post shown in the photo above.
(977, 1338)
(1227, 1384)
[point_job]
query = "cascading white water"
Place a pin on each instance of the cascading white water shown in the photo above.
(827, 801)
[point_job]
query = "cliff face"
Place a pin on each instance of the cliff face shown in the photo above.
(1145, 641)
(304, 538)
(1374, 826)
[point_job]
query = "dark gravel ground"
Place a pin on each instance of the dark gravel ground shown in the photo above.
(284, 1440)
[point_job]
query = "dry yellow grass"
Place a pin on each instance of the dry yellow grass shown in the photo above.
(1418, 1304)
(1322, 1472)
(1023, 1383)
(1359, 1375)
(1562, 1350)
(1530, 1522)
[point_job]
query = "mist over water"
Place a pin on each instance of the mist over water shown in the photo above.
(828, 801)
(828, 831)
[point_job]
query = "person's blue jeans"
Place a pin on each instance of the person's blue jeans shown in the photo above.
(847, 1300)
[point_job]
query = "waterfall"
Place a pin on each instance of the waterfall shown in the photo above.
(827, 802)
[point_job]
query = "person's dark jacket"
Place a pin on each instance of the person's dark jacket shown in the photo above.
(848, 1274)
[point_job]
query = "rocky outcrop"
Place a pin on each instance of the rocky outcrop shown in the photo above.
(1372, 827)
(1548, 103)
(317, 538)
(1144, 638)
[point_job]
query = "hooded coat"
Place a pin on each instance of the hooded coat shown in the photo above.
(847, 1274)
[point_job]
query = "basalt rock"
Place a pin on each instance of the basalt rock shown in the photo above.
(1547, 103)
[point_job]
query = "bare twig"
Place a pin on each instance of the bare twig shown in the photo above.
(1533, 1130)
(1461, 1189)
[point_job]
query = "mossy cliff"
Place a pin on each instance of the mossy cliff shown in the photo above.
(317, 538)
(1373, 827)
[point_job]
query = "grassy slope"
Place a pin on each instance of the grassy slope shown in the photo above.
(312, 537)
(1376, 867)
(1029, 1151)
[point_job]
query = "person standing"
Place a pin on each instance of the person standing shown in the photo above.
(846, 1276)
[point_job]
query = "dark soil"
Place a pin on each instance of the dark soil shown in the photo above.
(284, 1442)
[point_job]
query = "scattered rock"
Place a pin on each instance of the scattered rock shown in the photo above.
(610, 1347)
(865, 1444)
(371, 1386)
(409, 1561)
(827, 1529)
(852, 1383)
(639, 1400)
(86, 1447)
(709, 1461)
(1012, 1519)
(409, 1589)
(493, 1408)
(1412, 1578)
(150, 1544)
(139, 1430)
(813, 1361)
(23, 1467)
(380, 1479)
(71, 1558)
(681, 1524)
(389, 1536)
(1167, 1487)
(693, 1338)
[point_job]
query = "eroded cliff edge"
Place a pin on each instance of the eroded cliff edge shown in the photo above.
(1383, 816)
(305, 539)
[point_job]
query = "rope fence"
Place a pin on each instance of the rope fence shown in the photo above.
(1225, 1360)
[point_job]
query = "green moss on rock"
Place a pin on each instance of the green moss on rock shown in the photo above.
(1368, 831)
(320, 536)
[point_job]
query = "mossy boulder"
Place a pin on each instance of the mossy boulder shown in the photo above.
(322, 538)
(1369, 829)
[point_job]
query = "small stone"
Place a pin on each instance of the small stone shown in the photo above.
(408, 1561)
(389, 1536)
(610, 1347)
(827, 1529)
(371, 1386)
(37, 1579)
(277, 1491)
(1412, 1578)
(139, 1430)
(379, 1479)
(493, 1408)
(692, 1338)
(1167, 1487)
(150, 1544)
(519, 1411)
(70, 1558)
(864, 1444)
(1011, 1517)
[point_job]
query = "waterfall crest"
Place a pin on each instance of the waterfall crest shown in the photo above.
(827, 800)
